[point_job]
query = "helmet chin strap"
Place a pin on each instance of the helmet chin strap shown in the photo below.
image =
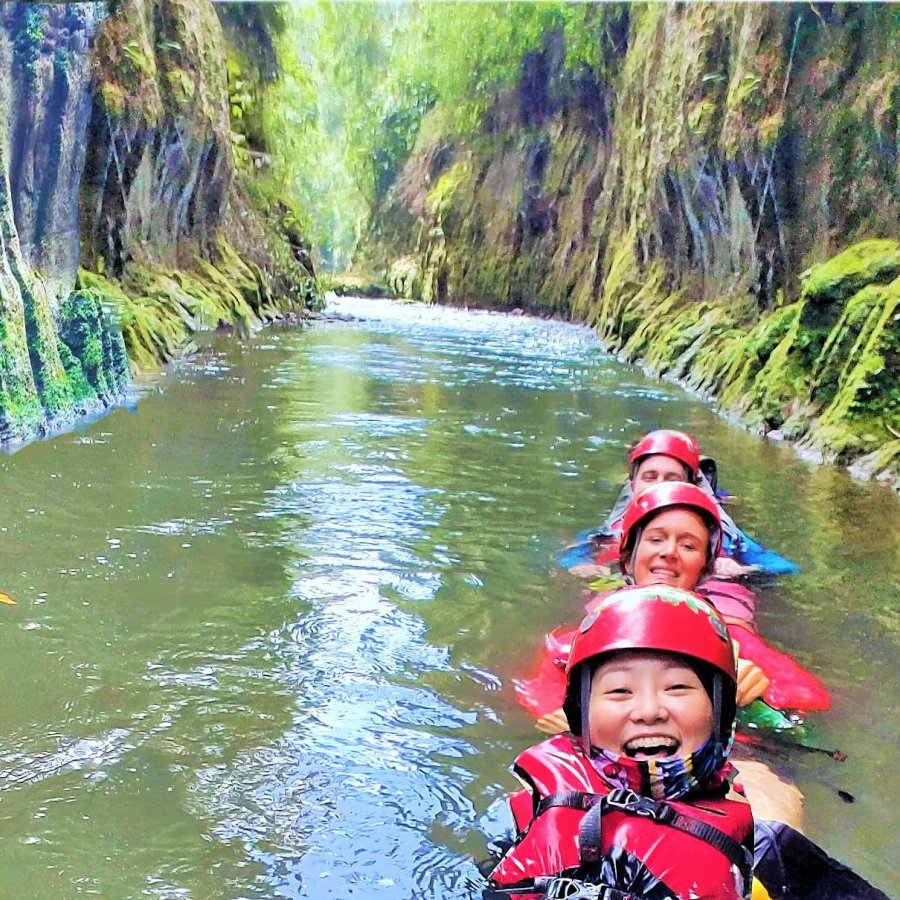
(713, 541)
(717, 708)
(632, 559)
(586, 709)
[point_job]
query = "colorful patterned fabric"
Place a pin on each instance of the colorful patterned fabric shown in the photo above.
(666, 779)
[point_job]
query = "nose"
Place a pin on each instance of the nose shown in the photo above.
(647, 707)
(668, 547)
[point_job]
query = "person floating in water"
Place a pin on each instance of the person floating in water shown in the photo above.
(636, 797)
(671, 534)
(664, 456)
(639, 799)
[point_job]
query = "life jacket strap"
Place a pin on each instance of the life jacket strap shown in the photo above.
(638, 805)
(560, 887)
(633, 804)
(569, 799)
(563, 887)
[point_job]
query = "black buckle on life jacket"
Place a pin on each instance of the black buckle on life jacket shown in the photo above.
(570, 799)
(637, 805)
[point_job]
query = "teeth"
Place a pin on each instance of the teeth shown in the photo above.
(644, 742)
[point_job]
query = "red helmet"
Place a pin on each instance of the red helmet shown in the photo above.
(657, 618)
(666, 495)
(678, 444)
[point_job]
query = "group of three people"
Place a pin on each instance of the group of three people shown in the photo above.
(635, 795)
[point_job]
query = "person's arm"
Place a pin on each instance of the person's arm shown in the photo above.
(553, 723)
(752, 682)
(589, 570)
(792, 867)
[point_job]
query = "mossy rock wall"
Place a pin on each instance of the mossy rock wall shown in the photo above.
(159, 163)
(185, 238)
(260, 221)
(117, 166)
(686, 200)
(61, 355)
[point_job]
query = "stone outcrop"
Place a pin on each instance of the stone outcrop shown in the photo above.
(167, 231)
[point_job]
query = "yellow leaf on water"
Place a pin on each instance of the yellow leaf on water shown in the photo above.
(5, 598)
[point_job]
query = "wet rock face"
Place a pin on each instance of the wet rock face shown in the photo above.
(733, 145)
(117, 175)
(45, 94)
(159, 159)
(45, 73)
(676, 201)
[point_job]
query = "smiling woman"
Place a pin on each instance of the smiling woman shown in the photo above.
(650, 696)
(671, 534)
(674, 549)
(648, 705)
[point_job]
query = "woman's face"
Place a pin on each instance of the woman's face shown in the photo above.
(649, 705)
(655, 469)
(672, 550)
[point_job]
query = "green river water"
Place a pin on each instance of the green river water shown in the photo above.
(268, 617)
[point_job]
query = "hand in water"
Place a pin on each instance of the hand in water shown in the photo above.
(752, 682)
(589, 570)
(731, 568)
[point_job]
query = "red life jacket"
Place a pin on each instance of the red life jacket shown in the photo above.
(697, 849)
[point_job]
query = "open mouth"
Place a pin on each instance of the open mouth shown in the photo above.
(655, 747)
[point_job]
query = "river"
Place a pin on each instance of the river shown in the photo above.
(268, 616)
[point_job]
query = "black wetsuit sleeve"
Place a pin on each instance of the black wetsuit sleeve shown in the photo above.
(791, 867)
(499, 830)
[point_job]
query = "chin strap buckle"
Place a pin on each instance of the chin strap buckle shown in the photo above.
(637, 805)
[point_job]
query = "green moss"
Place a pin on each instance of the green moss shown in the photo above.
(82, 389)
(448, 184)
(152, 330)
(863, 387)
(95, 361)
(405, 278)
(617, 314)
(20, 408)
(46, 366)
(113, 98)
(772, 335)
(180, 86)
(868, 262)
(159, 310)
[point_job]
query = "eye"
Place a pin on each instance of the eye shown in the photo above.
(617, 692)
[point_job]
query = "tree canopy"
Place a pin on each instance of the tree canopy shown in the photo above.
(355, 79)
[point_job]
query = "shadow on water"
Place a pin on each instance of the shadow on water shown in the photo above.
(268, 622)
